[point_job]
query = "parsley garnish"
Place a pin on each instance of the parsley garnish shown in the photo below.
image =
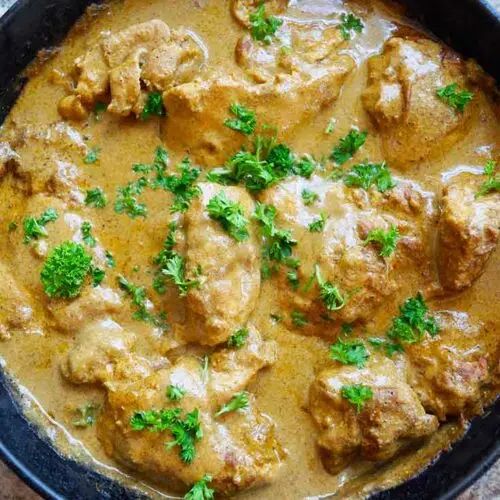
(455, 98)
(174, 270)
(200, 490)
(175, 393)
(99, 109)
(185, 431)
(34, 228)
(309, 197)
(110, 260)
(329, 293)
(348, 146)
(159, 164)
(244, 122)
(65, 270)
(97, 275)
(299, 319)
(87, 415)
(389, 347)
(357, 395)
(349, 24)
(364, 175)
(238, 338)
(305, 166)
(350, 352)
(293, 278)
(346, 328)
(263, 27)
(92, 155)
(153, 107)
(230, 215)
(386, 240)
(88, 238)
(330, 126)
(126, 201)
(238, 402)
(413, 321)
(95, 198)
(492, 182)
(318, 224)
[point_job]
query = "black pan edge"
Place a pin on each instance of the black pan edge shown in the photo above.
(470, 26)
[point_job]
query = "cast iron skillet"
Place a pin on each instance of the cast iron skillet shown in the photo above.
(470, 26)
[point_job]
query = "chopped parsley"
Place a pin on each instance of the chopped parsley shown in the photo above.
(318, 224)
(357, 395)
(34, 228)
(175, 393)
(185, 431)
(65, 269)
(110, 260)
(95, 198)
(182, 186)
(159, 164)
(238, 402)
(244, 120)
(86, 415)
(346, 328)
(365, 175)
(142, 304)
(153, 107)
(350, 23)
(293, 278)
(230, 215)
(329, 293)
(92, 155)
(349, 352)
(97, 275)
(390, 348)
(200, 490)
(385, 240)
(299, 319)
(99, 109)
(330, 126)
(455, 98)
(88, 238)
(309, 197)
(126, 201)
(492, 182)
(238, 338)
(413, 322)
(348, 146)
(262, 27)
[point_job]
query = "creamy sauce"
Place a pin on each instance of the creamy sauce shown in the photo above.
(282, 391)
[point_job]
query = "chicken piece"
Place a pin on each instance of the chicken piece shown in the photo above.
(237, 449)
(191, 107)
(241, 9)
(363, 278)
(447, 371)
(468, 233)
(103, 353)
(387, 423)
(142, 58)
(16, 310)
(401, 99)
(231, 270)
(301, 50)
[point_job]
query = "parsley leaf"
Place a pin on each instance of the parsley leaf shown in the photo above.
(492, 182)
(263, 27)
(110, 260)
(329, 293)
(348, 146)
(65, 270)
(97, 275)
(386, 240)
(413, 321)
(299, 319)
(200, 490)
(87, 415)
(309, 197)
(34, 228)
(349, 24)
(357, 395)
(230, 215)
(174, 270)
(238, 338)
(153, 107)
(238, 402)
(293, 279)
(95, 198)
(245, 120)
(92, 155)
(88, 239)
(330, 126)
(364, 175)
(351, 352)
(455, 98)
(175, 393)
(99, 109)
(126, 201)
(389, 347)
(346, 328)
(318, 224)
